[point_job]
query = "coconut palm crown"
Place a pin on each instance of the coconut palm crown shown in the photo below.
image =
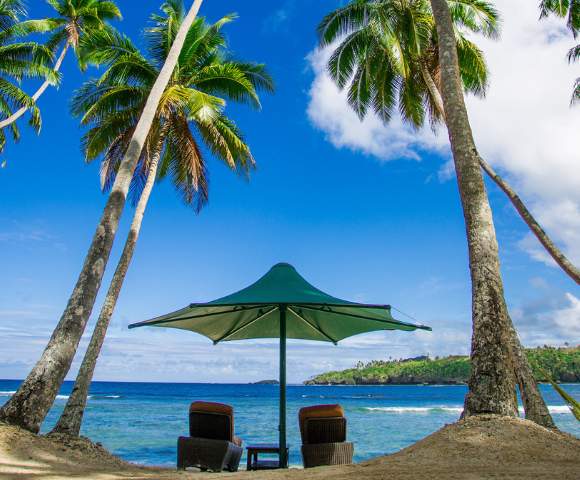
(73, 19)
(385, 52)
(19, 60)
(190, 117)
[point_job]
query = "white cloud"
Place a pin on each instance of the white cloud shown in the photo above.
(568, 318)
(548, 318)
(525, 126)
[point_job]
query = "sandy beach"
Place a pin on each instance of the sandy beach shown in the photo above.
(476, 448)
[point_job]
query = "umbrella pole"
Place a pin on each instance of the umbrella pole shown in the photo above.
(282, 426)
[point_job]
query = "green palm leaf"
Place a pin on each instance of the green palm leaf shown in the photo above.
(385, 54)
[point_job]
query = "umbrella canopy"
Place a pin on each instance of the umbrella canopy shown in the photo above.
(254, 312)
(281, 304)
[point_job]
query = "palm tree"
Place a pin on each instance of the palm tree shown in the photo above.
(74, 19)
(388, 57)
(30, 404)
(19, 60)
(569, 9)
(190, 114)
(491, 383)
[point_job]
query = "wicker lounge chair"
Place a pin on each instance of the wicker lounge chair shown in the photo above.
(323, 431)
(211, 444)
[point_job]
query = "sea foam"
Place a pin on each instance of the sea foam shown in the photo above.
(415, 409)
(455, 409)
(9, 393)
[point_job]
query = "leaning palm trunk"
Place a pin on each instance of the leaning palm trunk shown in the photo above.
(526, 215)
(535, 227)
(534, 405)
(71, 418)
(491, 383)
(29, 406)
(18, 113)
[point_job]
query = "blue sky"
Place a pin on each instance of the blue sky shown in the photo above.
(365, 212)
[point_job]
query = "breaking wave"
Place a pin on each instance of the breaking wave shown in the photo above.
(414, 409)
(455, 409)
(9, 393)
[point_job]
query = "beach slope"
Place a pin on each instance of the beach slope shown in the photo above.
(475, 448)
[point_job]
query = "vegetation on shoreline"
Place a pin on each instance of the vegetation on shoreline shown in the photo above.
(562, 364)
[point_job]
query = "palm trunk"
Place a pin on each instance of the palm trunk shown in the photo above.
(526, 215)
(491, 383)
(18, 113)
(29, 406)
(534, 405)
(531, 222)
(433, 90)
(71, 418)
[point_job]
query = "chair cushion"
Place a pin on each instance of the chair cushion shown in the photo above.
(214, 408)
(211, 407)
(319, 411)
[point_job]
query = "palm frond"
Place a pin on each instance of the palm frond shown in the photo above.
(30, 27)
(105, 46)
(478, 16)
(98, 139)
(472, 67)
(14, 98)
(569, 9)
(27, 60)
(361, 90)
(344, 21)
(573, 54)
(185, 162)
(386, 84)
(10, 13)
(229, 80)
(576, 92)
(573, 404)
(6, 111)
(130, 69)
(258, 75)
(204, 43)
(117, 98)
(344, 59)
(225, 141)
(411, 101)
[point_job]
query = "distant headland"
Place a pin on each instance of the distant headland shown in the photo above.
(562, 364)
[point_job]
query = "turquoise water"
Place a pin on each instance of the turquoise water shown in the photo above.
(140, 422)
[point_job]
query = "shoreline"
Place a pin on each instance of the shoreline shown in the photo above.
(416, 384)
(475, 448)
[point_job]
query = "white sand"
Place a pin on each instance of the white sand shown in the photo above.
(477, 448)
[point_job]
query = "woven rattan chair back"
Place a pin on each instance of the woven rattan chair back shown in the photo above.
(324, 430)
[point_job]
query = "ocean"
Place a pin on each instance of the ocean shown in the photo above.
(140, 422)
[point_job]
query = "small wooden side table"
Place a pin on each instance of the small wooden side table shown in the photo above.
(268, 448)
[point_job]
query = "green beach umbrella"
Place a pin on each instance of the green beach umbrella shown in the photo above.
(281, 304)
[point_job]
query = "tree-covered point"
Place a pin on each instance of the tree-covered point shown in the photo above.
(562, 364)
